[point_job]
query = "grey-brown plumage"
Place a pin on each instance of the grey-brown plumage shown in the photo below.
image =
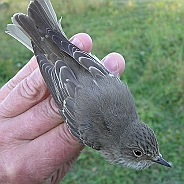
(97, 107)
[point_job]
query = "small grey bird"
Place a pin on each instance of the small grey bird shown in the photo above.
(97, 107)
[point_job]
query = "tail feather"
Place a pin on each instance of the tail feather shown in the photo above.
(29, 27)
(18, 34)
(42, 10)
(16, 31)
(48, 9)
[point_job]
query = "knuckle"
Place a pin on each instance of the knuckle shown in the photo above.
(13, 170)
(33, 87)
(51, 110)
(12, 83)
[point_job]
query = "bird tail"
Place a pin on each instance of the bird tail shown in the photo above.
(24, 28)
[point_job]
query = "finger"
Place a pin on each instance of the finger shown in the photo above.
(83, 41)
(34, 122)
(53, 151)
(57, 147)
(26, 94)
(115, 63)
(22, 74)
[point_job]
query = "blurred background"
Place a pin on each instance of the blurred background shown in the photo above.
(149, 34)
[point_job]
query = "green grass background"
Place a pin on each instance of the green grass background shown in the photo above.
(150, 35)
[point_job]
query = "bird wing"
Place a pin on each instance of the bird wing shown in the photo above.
(62, 84)
(55, 55)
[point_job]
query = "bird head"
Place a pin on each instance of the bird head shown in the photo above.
(138, 148)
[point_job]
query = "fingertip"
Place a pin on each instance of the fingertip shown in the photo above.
(115, 63)
(83, 41)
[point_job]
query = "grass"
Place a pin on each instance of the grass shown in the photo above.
(149, 34)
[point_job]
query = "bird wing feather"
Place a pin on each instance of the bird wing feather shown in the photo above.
(55, 54)
(62, 84)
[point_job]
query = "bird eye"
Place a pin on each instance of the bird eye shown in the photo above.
(137, 153)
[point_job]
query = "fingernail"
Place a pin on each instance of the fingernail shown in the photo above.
(77, 43)
(111, 65)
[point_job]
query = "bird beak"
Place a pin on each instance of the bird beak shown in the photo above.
(161, 161)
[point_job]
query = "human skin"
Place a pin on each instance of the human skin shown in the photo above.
(35, 143)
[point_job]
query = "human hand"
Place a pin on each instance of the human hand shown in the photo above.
(35, 144)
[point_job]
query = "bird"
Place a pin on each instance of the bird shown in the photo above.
(97, 106)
